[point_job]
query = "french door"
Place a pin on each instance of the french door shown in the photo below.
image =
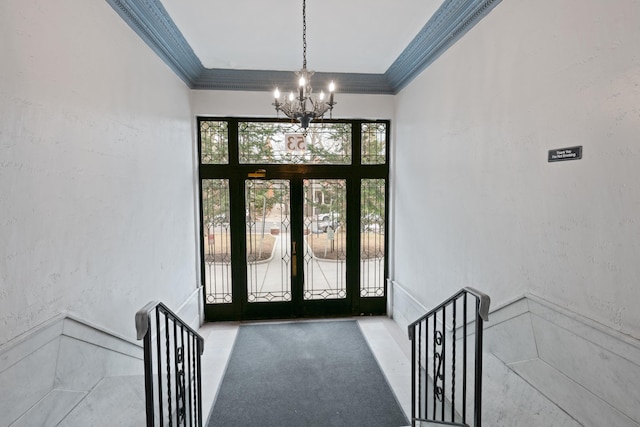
(296, 257)
(293, 232)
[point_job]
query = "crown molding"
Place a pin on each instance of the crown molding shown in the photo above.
(150, 20)
(450, 22)
(265, 80)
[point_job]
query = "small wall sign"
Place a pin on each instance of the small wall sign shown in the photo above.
(562, 154)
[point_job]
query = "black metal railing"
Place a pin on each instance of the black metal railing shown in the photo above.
(172, 367)
(446, 350)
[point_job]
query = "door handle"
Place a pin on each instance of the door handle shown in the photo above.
(260, 173)
(294, 260)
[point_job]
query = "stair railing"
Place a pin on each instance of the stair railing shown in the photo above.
(172, 367)
(446, 346)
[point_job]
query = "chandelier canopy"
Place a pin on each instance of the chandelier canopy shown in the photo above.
(303, 105)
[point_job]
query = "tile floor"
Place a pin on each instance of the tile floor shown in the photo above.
(389, 344)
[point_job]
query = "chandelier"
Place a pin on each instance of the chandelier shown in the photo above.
(303, 105)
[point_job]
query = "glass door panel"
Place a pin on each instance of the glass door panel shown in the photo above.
(216, 241)
(372, 238)
(268, 240)
(324, 252)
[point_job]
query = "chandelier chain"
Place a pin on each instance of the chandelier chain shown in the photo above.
(304, 106)
(304, 34)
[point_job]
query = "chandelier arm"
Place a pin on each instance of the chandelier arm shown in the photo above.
(287, 110)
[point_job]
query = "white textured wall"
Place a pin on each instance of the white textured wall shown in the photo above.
(96, 169)
(476, 202)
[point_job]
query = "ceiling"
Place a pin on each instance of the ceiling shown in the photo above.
(368, 46)
(344, 36)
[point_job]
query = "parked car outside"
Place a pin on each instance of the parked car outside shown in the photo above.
(328, 219)
(328, 216)
(372, 222)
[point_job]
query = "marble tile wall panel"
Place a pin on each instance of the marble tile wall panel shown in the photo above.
(400, 336)
(51, 409)
(24, 345)
(66, 354)
(584, 406)
(591, 331)
(115, 401)
(606, 374)
(190, 311)
(83, 331)
(507, 311)
(511, 401)
(81, 365)
(405, 308)
(26, 382)
(512, 340)
(530, 334)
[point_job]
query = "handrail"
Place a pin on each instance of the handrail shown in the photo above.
(434, 360)
(142, 321)
(174, 372)
(483, 310)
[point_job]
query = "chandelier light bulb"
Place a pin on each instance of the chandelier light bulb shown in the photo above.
(321, 95)
(276, 94)
(302, 82)
(291, 96)
(332, 87)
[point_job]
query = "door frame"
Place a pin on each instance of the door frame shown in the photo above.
(237, 173)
